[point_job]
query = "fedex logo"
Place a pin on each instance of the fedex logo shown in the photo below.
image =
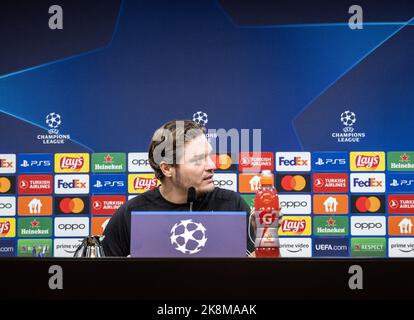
(7, 163)
(72, 184)
(366, 182)
(293, 161)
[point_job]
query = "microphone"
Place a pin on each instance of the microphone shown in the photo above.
(191, 196)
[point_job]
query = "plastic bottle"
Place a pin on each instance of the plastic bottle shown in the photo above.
(266, 202)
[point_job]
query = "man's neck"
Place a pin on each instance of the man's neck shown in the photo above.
(172, 194)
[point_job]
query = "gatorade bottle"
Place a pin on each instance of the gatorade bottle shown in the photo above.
(265, 202)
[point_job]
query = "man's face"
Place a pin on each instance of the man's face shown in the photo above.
(197, 168)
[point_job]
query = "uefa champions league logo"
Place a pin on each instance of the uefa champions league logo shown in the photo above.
(348, 120)
(200, 117)
(188, 237)
(53, 120)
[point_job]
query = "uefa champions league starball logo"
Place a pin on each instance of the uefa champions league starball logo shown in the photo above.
(348, 118)
(188, 237)
(200, 117)
(53, 120)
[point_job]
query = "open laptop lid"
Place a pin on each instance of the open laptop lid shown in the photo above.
(188, 234)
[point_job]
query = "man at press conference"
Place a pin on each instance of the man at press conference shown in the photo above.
(179, 154)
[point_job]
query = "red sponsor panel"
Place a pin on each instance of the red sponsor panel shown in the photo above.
(256, 161)
(401, 203)
(330, 182)
(106, 204)
(35, 184)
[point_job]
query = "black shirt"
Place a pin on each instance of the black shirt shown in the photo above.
(118, 231)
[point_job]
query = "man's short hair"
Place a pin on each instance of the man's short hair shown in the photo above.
(165, 144)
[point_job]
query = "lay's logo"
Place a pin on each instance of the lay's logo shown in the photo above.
(139, 183)
(367, 161)
(7, 227)
(71, 162)
(295, 226)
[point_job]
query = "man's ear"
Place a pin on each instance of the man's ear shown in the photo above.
(167, 169)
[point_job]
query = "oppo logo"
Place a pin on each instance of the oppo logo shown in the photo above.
(71, 226)
(140, 162)
(220, 183)
(294, 204)
(6, 205)
(368, 226)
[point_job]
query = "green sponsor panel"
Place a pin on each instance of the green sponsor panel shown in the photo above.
(108, 162)
(249, 198)
(34, 227)
(34, 248)
(330, 226)
(400, 161)
(368, 247)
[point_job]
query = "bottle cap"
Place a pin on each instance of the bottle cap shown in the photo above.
(266, 177)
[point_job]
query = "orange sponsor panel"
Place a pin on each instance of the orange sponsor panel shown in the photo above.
(330, 204)
(99, 225)
(249, 183)
(401, 226)
(35, 206)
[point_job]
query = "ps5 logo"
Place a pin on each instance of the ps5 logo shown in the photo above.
(322, 162)
(100, 184)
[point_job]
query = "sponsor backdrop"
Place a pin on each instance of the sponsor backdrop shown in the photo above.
(79, 103)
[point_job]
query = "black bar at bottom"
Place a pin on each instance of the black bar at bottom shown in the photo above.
(207, 279)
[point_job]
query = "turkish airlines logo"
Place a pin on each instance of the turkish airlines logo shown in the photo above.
(35, 184)
(250, 161)
(401, 203)
(329, 182)
(106, 204)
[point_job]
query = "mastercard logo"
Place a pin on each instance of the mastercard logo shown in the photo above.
(222, 161)
(71, 205)
(368, 204)
(293, 183)
(5, 185)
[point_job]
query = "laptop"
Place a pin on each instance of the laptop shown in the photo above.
(188, 234)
